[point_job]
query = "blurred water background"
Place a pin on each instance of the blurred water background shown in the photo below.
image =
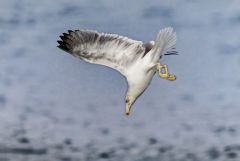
(55, 107)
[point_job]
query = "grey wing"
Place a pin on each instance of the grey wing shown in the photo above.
(114, 51)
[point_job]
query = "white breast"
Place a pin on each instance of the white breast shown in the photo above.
(139, 77)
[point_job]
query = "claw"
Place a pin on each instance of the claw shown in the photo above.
(165, 74)
(171, 77)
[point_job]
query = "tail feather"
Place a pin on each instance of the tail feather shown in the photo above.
(165, 42)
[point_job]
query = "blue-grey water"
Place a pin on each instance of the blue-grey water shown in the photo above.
(56, 107)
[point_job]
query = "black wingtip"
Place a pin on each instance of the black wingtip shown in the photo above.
(65, 43)
(64, 48)
(65, 34)
(59, 42)
(62, 42)
(70, 31)
(62, 37)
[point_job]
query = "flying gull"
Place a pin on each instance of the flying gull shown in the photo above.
(136, 61)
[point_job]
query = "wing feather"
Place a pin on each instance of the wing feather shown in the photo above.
(111, 50)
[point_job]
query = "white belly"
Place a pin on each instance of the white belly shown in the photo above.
(139, 78)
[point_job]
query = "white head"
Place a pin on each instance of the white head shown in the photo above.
(133, 92)
(129, 101)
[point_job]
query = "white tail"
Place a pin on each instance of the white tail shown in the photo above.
(165, 41)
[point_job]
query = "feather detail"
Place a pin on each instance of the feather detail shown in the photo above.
(111, 50)
(164, 43)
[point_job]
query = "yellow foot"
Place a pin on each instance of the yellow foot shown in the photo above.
(163, 72)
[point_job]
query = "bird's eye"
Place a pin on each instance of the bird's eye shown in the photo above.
(127, 100)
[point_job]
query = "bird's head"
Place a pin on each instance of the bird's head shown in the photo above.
(131, 97)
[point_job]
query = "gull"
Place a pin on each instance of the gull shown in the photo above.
(136, 61)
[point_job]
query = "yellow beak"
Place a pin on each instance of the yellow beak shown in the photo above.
(127, 109)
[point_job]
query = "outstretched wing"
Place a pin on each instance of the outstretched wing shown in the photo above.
(111, 50)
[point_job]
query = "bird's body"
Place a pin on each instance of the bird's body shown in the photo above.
(136, 61)
(139, 76)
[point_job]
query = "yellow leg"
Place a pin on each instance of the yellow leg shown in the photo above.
(165, 74)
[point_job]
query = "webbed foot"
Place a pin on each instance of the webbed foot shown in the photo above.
(163, 72)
